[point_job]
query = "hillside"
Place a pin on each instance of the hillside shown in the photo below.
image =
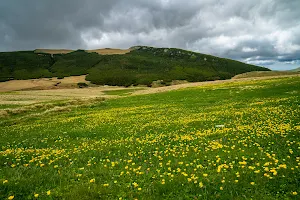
(139, 65)
(106, 51)
(296, 70)
(190, 143)
(254, 74)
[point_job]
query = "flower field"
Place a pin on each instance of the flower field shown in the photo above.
(236, 140)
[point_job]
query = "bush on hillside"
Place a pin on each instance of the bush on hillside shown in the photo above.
(82, 85)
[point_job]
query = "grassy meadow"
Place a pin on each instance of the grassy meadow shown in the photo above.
(237, 140)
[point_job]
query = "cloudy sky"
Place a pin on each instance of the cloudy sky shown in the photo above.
(261, 32)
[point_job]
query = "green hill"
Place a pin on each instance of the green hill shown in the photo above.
(265, 74)
(141, 65)
(295, 70)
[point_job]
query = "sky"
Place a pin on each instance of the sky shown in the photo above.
(260, 32)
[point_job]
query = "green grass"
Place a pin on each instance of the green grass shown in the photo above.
(9, 92)
(161, 146)
(123, 92)
(3, 106)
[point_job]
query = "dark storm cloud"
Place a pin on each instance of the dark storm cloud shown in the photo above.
(259, 32)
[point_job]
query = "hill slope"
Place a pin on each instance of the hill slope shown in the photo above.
(185, 144)
(106, 51)
(295, 70)
(140, 65)
(254, 74)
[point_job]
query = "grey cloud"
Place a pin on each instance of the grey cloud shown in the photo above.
(261, 32)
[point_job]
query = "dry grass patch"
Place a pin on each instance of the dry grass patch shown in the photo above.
(43, 83)
(109, 51)
(53, 51)
(106, 51)
(265, 74)
(3, 113)
(43, 108)
(32, 97)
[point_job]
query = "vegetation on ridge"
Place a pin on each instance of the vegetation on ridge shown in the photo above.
(142, 65)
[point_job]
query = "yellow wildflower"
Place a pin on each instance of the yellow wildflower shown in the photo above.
(92, 180)
(243, 163)
(135, 184)
(201, 185)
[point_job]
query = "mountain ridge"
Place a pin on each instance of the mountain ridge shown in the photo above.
(103, 51)
(138, 65)
(295, 70)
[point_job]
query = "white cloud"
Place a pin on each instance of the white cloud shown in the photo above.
(249, 49)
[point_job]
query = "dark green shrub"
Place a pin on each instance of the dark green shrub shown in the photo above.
(60, 77)
(82, 85)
